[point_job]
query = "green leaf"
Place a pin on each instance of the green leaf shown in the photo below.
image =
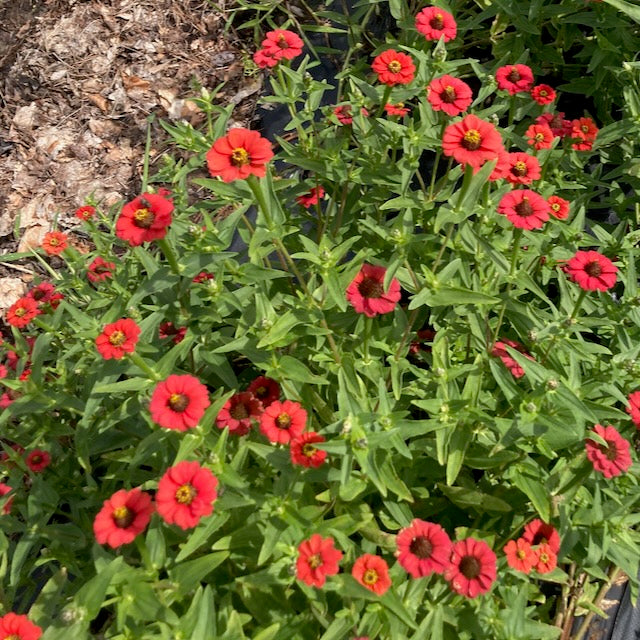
(447, 296)
(92, 594)
(188, 574)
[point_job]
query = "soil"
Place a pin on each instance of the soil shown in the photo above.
(79, 80)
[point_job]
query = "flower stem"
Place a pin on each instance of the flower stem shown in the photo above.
(517, 235)
(579, 301)
(261, 201)
(170, 255)
(385, 99)
(141, 364)
(43, 325)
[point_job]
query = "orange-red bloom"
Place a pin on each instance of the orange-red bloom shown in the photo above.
(313, 197)
(22, 312)
(372, 572)
(317, 559)
(394, 67)
(449, 94)
(434, 23)
(634, 407)
(38, 460)
(281, 43)
(515, 78)
(523, 168)
(473, 567)
(18, 627)
(238, 155)
(179, 402)
(45, 294)
(366, 292)
(304, 453)
(344, 115)
(584, 131)
(283, 421)
(539, 136)
(54, 242)
(558, 207)
(144, 219)
(118, 338)
(100, 269)
(520, 555)
(4, 489)
(539, 532)
(471, 141)
(592, 271)
(611, 460)
(525, 209)
(86, 212)
(546, 559)
(238, 412)
(543, 94)
(423, 548)
(122, 517)
(499, 351)
(557, 123)
(396, 109)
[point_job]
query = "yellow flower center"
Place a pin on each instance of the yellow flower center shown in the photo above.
(186, 494)
(143, 218)
(521, 554)
(283, 420)
(471, 140)
(370, 577)
(123, 517)
(394, 66)
(544, 557)
(117, 338)
(308, 450)
(448, 94)
(539, 137)
(54, 242)
(520, 169)
(20, 311)
(555, 206)
(314, 561)
(543, 93)
(239, 157)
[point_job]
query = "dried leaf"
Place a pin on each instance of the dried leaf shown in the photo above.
(100, 102)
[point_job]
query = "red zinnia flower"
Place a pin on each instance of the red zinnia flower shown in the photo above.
(38, 460)
(540, 136)
(22, 312)
(394, 67)
(423, 548)
(313, 197)
(515, 78)
(502, 166)
(169, 330)
(144, 219)
(585, 131)
(238, 155)
(122, 517)
(543, 94)
(7, 398)
(281, 43)
(304, 453)
(449, 94)
(186, 493)
(525, 209)
(471, 141)
(539, 532)
(396, 109)
(4, 489)
(523, 168)
(556, 122)
(473, 567)
(423, 336)
(366, 292)
(203, 276)
(372, 572)
(613, 459)
(45, 293)
(283, 421)
(546, 559)
(264, 60)
(238, 412)
(3, 371)
(18, 627)
(434, 23)
(499, 351)
(25, 375)
(100, 269)
(634, 407)
(86, 212)
(558, 207)
(592, 271)
(520, 555)
(118, 338)
(54, 242)
(265, 389)
(317, 559)
(344, 115)
(179, 402)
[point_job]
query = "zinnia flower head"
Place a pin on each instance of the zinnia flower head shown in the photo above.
(471, 141)
(344, 114)
(584, 131)
(144, 219)
(264, 60)
(118, 338)
(100, 269)
(372, 572)
(473, 567)
(169, 330)
(38, 460)
(238, 412)
(15, 626)
(86, 212)
(203, 276)
(312, 197)
(557, 123)
(524, 208)
(4, 489)
(558, 207)
(592, 271)
(611, 460)
(396, 109)
(366, 292)
(186, 493)
(281, 44)
(317, 559)
(538, 532)
(500, 351)
(634, 407)
(435, 23)
(423, 548)
(265, 389)
(539, 136)
(45, 294)
(520, 555)
(179, 402)
(238, 155)
(546, 560)
(283, 421)
(523, 168)
(122, 517)
(22, 312)
(54, 243)
(304, 453)
(502, 166)
(449, 94)
(394, 67)
(515, 78)
(543, 94)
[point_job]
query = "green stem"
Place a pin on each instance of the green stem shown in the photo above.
(579, 301)
(385, 99)
(261, 201)
(466, 182)
(517, 235)
(43, 325)
(141, 364)
(512, 110)
(170, 255)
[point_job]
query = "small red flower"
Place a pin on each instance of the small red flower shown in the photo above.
(520, 555)
(22, 312)
(264, 60)
(313, 197)
(169, 330)
(523, 168)
(281, 43)
(471, 141)
(265, 389)
(100, 269)
(238, 412)
(18, 627)
(344, 115)
(4, 489)
(203, 276)
(317, 559)
(366, 292)
(539, 532)
(179, 402)
(423, 337)
(434, 23)
(3, 371)
(499, 351)
(54, 243)
(394, 67)
(558, 207)
(611, 460)
(473, 567)
(449, 94)
(584, 130)
(592, 271)
(423, 548)
(122, 517)
(396, 109)
(557, 123)
(283, 421)
(144, 219)
(118, 338)
(38, 460)
(25, 375)
(525, 209)
(539, 136)
(238, 155)
(546, 559)
(634, 407)
(86, 212)
(372, 572)
(304, 453)
(45, 294)
(186, 493)
(515, 78)
(502, 166)
(543, 94)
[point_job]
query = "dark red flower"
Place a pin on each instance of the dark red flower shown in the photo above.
(203, 276)
(313, 197)
(520, 555)
(38, 460)
(100, 269)
(499, 351)
(86, 212)
(396, 109)
(584, 130)
(238, 155)
(186, 493)
(4, 490)
(122, 517)
(7, 398)
(525, 209)
(18, 627)
(394, 67)
(317, 559)
(169, 330)
(22, 312)
(118, 338)
(366, 292)
(473, 567)
(592, 271)
(281, 43)
(45, 294)
(471, 141)
(515, 78)
(54, 242)
(523, 168)
(144, 219)
(634, 407)
(283, 421)
(3, 371)
(434, 23)
(423, 336)
(344, 115)
(614, 458)
(558, 207)
(543, 94)
(423, 548)
(372, 572)
(539, 136)
(539, 532)
(238, 412)
(265, 389)
(556, 122)
(179, 402)
(304, 453)
(546, 559)
(449, 94)
(25, 375)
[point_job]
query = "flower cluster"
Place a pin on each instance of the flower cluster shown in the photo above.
(537, 548)
(278, 45)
